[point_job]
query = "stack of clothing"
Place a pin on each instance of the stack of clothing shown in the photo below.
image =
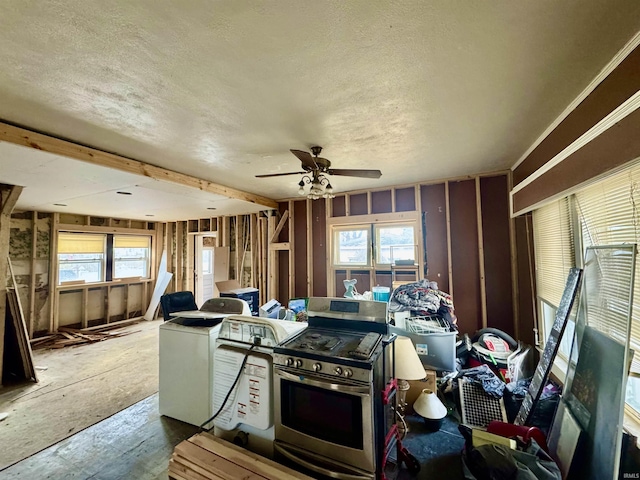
(423, 298)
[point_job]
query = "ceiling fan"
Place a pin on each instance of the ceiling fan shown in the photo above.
(316, 165)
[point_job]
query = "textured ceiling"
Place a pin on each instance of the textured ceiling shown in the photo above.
(222, 90)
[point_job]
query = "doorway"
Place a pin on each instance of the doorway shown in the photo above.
(211, 266)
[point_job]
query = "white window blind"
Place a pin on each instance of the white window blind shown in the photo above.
(608, 213)
(554, 246)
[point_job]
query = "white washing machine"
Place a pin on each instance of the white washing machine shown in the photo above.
(186, 353)
(247, 416)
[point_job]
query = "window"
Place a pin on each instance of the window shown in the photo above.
(131, 256)
(555, 255)
(207, 261)
(352, 246)
(395, 242)
(81, 257)
(605, 213)
(96, 257)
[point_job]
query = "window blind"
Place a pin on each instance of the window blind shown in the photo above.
(608, 213)
(131, 241)
(81, 243)
(555, 252)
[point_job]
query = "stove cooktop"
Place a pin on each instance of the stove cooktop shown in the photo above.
(333, 343)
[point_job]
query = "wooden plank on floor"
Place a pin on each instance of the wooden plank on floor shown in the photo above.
(249, 460)
(175, 475)
(211, 462)
(186, 472)
(185, 462)
(111, 325)
(22, 337)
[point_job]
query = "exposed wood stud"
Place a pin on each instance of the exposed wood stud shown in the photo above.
(27, 138)
(281, 224)
(127, 309)
(264, 255)
(53, 274)
(100, 229)
(85, 308)
(309, 248)
(107, 310)
(253, 232)
(393, 199)
(238, 242)
(347, 204)
(331, 274)
(272, 284)
(448, 217)
(369, 204)
(180, 226)
(292, 271)
(483, 286)
(515, 289)
(32, 277)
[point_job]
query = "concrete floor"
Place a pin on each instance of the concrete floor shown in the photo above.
(135, 444)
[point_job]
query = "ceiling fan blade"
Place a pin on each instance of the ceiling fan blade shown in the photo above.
(306, 159)
(347, 172)
(279, 174)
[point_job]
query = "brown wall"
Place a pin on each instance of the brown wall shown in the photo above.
(464, 236)
(612, 148)
(494, 193)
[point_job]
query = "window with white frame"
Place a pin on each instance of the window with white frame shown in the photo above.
(355, 245)
(352, 246)
(605, 213)
(395, 242)
(131, 256)
(99, 257)
(81, 257)
(555, 256)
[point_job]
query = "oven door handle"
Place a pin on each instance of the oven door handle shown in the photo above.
(340, 387)
(318, 468)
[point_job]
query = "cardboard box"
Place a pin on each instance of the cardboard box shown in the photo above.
(231, 288)
(416, 387)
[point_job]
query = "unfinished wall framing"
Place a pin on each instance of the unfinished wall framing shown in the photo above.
(245, 235)
(33, 243)
(468, 246)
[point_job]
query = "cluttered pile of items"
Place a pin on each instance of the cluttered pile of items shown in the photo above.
(481, 381)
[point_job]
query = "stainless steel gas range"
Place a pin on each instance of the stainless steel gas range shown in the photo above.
(330, 413)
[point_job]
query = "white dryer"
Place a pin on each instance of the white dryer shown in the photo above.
(247, 416)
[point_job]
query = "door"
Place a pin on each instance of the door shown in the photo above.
(212, 265)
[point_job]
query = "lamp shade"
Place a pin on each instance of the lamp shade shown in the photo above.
(407, 362)
(431, 409)
(428, 405)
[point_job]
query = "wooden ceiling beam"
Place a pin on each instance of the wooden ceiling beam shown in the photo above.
(57, 146)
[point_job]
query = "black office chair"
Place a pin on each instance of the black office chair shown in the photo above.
(177, 302)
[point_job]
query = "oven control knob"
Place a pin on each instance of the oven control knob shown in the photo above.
(317, 367)
(348, 373)
(289, 362)
(299, 363)
(337, 371)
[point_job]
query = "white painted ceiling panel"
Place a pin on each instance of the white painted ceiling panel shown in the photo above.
(222, 90)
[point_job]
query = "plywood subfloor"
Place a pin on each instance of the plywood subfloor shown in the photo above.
(134, 444)
(81, 386)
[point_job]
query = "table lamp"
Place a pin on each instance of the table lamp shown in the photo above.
(407, 367)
